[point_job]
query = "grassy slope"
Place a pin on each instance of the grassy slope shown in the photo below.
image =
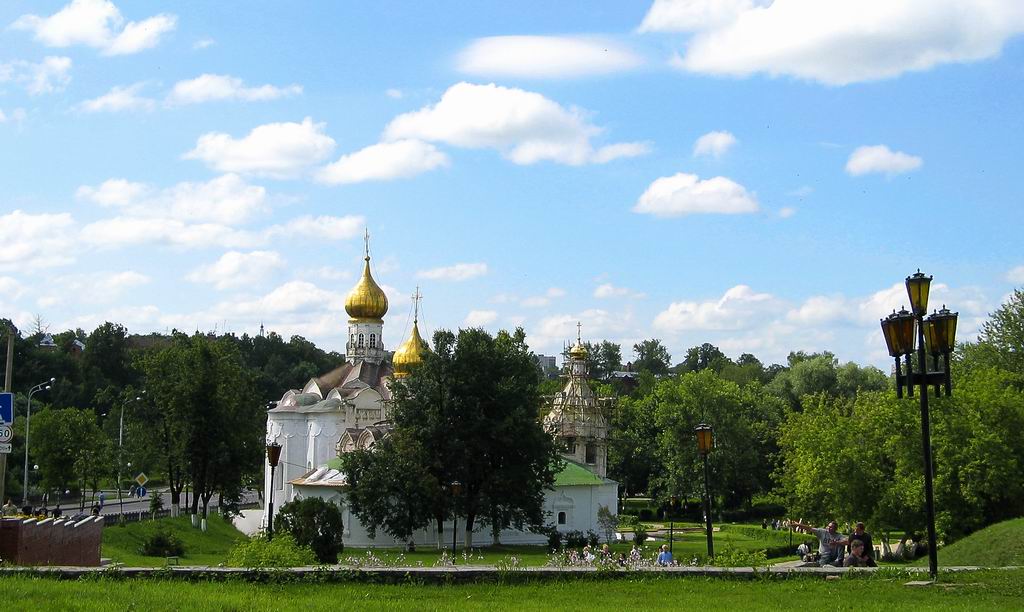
(122, 543)
(993, 590)
(997, 545)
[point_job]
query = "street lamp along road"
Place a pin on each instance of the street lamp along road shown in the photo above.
(907, 332)
(273, 458)
(705, 442)
(43, 386)
(456, 488)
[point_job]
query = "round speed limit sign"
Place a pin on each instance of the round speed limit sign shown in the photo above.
(6, 433)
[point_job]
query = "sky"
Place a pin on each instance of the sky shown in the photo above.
(758, 175)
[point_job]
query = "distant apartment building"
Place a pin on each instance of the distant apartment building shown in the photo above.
(547, 365)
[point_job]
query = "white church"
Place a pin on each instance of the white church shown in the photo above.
(349, 408)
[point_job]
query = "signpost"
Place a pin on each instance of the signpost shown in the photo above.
(141, 479)
(5, 448)
(6, 408)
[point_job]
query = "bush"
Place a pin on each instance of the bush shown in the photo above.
(282, 551)
(162, 543)
(156, 504)
(554, 539)
(575, 539)
(315, 523)
(593, 539)
(646, 514)
(639, 534)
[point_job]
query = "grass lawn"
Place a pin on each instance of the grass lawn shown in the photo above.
(997, 545)
(122, 544)
(990, 590)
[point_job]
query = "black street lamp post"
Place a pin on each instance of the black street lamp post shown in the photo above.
(907, 332)
(456, 491)
(705, 441)
(273, 458)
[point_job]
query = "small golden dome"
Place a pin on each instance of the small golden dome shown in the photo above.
(410, 354)
(578, 351)
(366, 300)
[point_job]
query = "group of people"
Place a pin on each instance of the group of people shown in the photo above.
(837, 550)
(9, 509)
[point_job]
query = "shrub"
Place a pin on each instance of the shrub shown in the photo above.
(575, 539)
(608, 522)
(646, 514)
(315, 523)
(593, 539)
(162, 543)
(639, 534)
(259, 552)
(554, 539)
(156, 504)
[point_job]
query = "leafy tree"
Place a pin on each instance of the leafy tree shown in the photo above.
(703, 357)
(1001, 340)
(651, 356)
(608, 522)
(315, 523)
(632, 447)
(472, 408)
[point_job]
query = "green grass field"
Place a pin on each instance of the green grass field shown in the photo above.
(990, 590)
(997, 545)
(121, 544)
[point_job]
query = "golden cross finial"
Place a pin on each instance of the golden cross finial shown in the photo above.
(579, 339)
(366, 242)
(416, 297)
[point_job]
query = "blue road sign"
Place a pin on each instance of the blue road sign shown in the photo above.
(6, 408)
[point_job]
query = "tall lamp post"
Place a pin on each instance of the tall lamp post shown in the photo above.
(43, 386)
(120, 448)
(273, 458)
(935, 335)
(705, 442)
(456, 492)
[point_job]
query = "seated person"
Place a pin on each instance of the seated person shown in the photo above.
(664, 557)
(857, 556)
(862, 536)
(830, 542)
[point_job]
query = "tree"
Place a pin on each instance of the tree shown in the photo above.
(1001, 339)
(315, 523)
(608, 522)
(651, 356)
(703, 357)
(471, 407)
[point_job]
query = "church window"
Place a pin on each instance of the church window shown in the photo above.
(591, 453)
(373, 340)
(360, 344)
(561, 518)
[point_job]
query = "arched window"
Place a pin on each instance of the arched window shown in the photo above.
(360, 345)
(373, 340)
(561, 518)
(591, 453)
(353, 339)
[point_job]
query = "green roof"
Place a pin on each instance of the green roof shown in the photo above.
(575, 475)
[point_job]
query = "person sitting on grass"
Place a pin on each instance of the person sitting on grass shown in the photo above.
(830, 543)
(859, 535)
(857, 556)
(664, 557)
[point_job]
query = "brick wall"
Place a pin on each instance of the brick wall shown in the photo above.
(51, 541)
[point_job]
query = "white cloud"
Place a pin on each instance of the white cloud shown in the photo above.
(786, 212)
(683, 194)
(880, 159)
(237, 269)
(211, 87)
(324, 227)
(608, 290)
(394, 93)
(98, 24)
(278, 150)
(203, 43)
(692, 15)
(734, 310)
(119, 98)
(16, 115)
(457, 272)
(1016, 275)
(480, 318)
(525, 126)
(227, 199)
(126, 231)
(383, 162)
(834, 41)
(10, 288)
(715, 144)
(33, 241)
(550, 333)
(545, 57)
(538, 301)
(48, 76)
(92, 288)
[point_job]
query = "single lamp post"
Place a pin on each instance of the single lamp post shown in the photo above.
(120, 449)
(705, 442)
(43, 386)
(906, 332)
(273, 458)
(456, 487)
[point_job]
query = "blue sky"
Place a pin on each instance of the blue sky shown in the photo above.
(738, 172)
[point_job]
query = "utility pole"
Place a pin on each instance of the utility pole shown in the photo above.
(7, 388)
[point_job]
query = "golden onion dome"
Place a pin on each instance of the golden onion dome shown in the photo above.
(578, 351)
(366, 300)
(410, 354)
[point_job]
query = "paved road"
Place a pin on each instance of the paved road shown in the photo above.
(135, 504)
